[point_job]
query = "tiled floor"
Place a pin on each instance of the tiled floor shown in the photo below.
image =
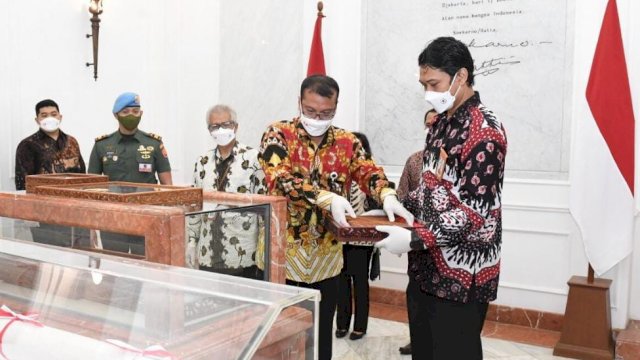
(502, 331)
(384, 337)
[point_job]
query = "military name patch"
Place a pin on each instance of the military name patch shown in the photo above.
(145, 168)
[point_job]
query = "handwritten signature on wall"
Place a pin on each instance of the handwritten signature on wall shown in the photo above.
(495, 64)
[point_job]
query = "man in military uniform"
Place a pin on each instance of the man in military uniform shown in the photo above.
(129, 154)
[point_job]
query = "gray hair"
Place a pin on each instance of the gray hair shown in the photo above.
(220, 109)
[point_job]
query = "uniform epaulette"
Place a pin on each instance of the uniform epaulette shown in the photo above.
(155, 136)
(102, 137)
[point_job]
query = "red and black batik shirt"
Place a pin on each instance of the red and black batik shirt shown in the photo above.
(459, 203)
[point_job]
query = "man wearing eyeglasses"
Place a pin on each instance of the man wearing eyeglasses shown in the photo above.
(313, 163)
(226, 242)
(132, 155)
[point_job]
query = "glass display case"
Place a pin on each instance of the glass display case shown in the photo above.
(229, 239)
(127, 192)
(33, 181)
(70, 304)
(228, 234)
(219, 237)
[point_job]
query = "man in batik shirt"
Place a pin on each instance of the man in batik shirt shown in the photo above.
(312, 163)
(226, 241)
(455, 262)
(49, 150)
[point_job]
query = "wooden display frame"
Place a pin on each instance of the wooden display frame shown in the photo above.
(167, 195)
(32, 181)
(362, 228)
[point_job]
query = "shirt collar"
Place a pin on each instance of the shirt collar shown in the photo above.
(118, 136)
(43, 135)
(473, 101)
(234, 151)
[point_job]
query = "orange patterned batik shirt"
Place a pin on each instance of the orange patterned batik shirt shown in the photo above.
(299, 170)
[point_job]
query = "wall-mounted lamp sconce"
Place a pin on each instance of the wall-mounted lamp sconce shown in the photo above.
(95, 8)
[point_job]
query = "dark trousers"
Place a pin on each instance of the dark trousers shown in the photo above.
(444, 329)
(355, 274)
(250, 272)
(329, 293)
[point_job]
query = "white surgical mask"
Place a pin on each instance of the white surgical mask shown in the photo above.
(50, 124)
(442, 101)
(315, 127)
(223, 136)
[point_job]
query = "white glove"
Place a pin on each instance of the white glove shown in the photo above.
(376, 212)
(399, 240)
(392, 206)
(340, 206)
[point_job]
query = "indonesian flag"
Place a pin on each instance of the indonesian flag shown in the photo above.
(602, 171)
(316, 55)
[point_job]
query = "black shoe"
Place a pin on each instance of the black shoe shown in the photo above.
(405, 350)
(356, 335)
(341, 333)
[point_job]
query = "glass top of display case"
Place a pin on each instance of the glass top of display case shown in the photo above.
(116, 307)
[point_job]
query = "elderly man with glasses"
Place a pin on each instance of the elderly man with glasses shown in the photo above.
(226, 242)
(313, 163)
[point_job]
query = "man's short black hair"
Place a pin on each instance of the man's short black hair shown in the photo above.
(449, 55)
(322, 85)
(46, 103)
(428, 112)
(365, 142)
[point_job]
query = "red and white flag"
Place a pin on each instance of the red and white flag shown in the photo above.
(316, 55)
(603, 167)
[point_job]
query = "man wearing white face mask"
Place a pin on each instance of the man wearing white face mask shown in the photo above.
(454, 247)
(230, 167)
(313, 164)
(49, 150)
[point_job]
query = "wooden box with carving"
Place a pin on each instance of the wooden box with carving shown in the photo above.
(126, 192)
(32, 181)
(362, 228)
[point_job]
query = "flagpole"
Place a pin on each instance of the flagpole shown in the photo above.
(316, 53)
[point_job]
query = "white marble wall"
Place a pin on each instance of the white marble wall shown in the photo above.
(260, 57)
(521, 70)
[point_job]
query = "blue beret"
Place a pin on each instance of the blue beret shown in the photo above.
(127, 99)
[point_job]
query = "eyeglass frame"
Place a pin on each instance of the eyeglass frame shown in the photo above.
(229, 124)
(320, 115)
